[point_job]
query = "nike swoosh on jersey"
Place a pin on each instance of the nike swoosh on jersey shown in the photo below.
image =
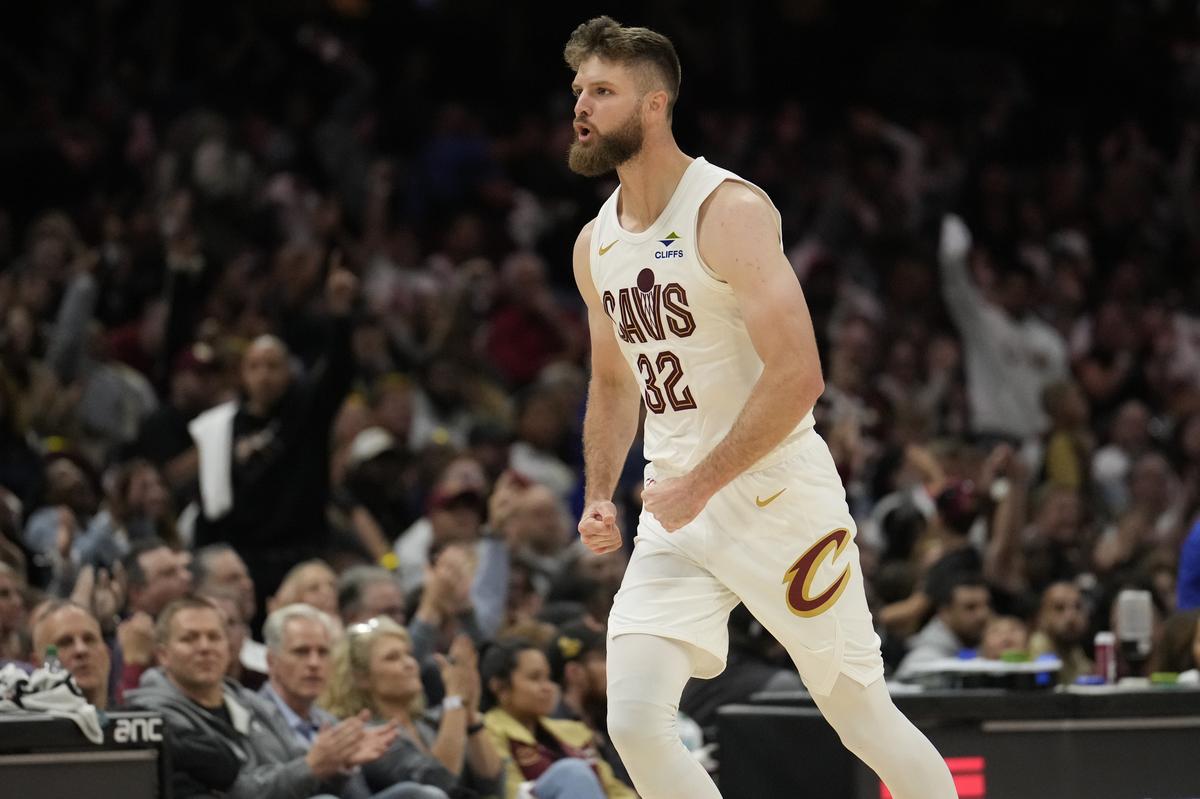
(762, 503)
(604, 249)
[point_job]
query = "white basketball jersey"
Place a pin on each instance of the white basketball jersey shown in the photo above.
(678, 326)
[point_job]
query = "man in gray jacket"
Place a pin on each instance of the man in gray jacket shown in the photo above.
(300, 641)
(223, 740)
(963, 604)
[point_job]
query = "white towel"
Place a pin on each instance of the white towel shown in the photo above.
(213, 433)
(52, 693)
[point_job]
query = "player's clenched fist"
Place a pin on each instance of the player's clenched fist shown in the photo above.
(598, 527)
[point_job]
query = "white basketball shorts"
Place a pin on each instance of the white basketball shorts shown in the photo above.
(779, 539)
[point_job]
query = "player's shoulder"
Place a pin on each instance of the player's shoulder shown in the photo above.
(581, 258)
(736, 198)
(583, 241)
(735, 212)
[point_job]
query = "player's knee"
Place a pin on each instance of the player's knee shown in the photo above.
(622, 725)
(636, 726)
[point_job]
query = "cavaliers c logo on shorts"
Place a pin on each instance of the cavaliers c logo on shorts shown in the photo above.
(799, 577)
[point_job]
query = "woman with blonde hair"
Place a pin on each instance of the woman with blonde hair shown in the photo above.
(374, 669)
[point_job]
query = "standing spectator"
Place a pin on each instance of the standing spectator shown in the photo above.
(1010, 355)
(264, 460)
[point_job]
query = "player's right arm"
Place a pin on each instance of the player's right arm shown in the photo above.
(613, 407)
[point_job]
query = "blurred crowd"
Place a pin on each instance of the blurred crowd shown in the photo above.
(292, 385)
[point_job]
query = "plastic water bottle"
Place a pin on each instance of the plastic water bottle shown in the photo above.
(52, 663)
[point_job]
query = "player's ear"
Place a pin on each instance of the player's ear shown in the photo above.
(655, 101)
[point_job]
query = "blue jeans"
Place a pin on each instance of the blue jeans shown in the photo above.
(569, 778)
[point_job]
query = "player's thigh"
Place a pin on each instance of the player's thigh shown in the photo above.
(787, 551)
(666, 593)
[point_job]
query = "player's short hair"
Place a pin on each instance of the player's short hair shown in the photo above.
(630, 46)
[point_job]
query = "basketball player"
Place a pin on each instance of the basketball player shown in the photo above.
(694, 310)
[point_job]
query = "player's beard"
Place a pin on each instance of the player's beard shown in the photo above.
(609, 150)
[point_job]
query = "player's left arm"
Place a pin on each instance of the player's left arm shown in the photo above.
(739, 240)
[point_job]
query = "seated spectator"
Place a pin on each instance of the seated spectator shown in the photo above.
(538, 532)
(375, 672)
(220, 737)
(218, 568)
(1069, 442)
(12, 614)
(578, 664)
(69, 504)
(1003, 634)
(1188, 587)
(299, 659)
(444, 607)
(138, 508)
(1128, 439)
(311, 582)
(1153, 518)
(963, 607)
(156, 575)
(365, 592)
(1061, 627)
(74, 631)
(1179, 649)
(553, 758)
(239, 633)
(457, 509)
(543, 430)
(300, 642)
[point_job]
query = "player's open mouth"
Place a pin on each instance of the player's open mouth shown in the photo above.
(583, 132)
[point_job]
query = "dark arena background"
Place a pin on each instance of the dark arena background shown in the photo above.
(289, 321)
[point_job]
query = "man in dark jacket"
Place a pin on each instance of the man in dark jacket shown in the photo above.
(220, 737)
(264, 459)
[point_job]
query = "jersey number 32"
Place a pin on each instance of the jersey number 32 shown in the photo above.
(661, 378)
